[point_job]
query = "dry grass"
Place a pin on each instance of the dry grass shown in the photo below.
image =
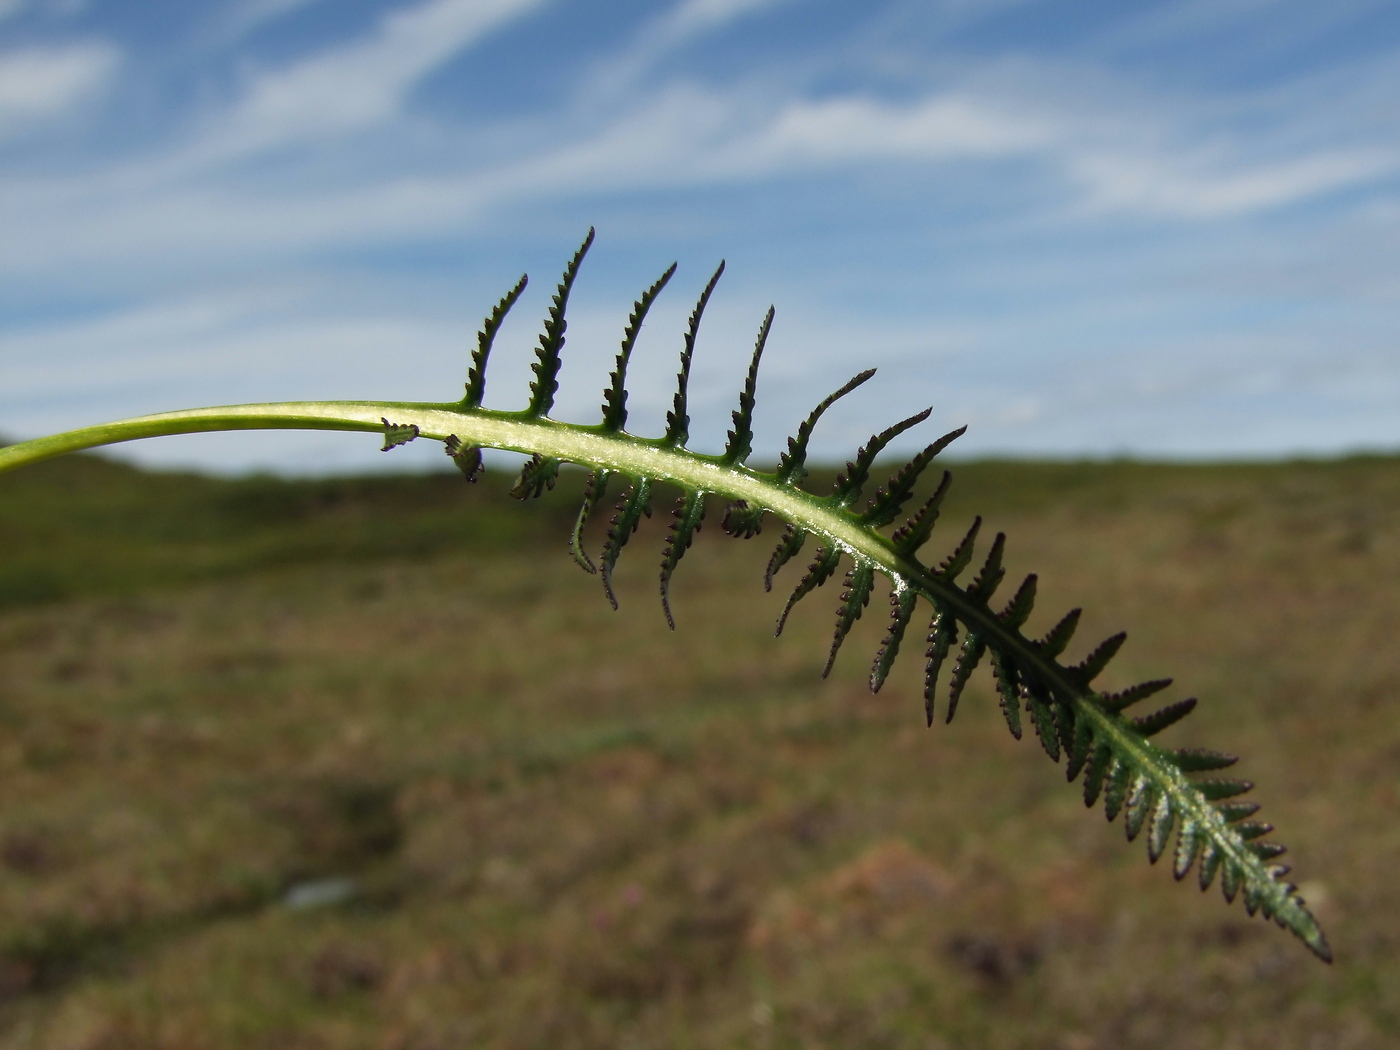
(564, 827)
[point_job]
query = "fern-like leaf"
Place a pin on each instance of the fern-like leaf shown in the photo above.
(1158, 790)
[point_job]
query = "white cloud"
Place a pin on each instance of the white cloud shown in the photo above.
(694, 16)
(242, 18)
(863, 129)
(40, 82)
(1126, 163)
(685, 137)
(1156, 185)
(358, 85)
(619, 74)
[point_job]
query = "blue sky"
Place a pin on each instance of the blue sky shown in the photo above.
(1083, 228)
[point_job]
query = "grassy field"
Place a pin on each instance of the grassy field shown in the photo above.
(369, 763)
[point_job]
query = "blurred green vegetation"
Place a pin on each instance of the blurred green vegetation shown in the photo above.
(367, 762)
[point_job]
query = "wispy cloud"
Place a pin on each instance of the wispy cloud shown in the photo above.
(40, 83)
(1108, 162)
(682, 23)
(353, 87)
(1177, 187)
(247, 16)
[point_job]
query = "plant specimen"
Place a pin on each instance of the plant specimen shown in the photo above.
(1155, 788)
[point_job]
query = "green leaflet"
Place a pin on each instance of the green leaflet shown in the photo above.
(635, 505)
(902, 603)
(1237, 810)
(1159, 828)
(396, 434)
(537, 476)
(1121, 701)
(467, 458)
(1009, 689)
(1095, 772)
(615, 396)
(593, 493)
(859, 580)
(476, 376)
(740, 442)
(1141, 798)
(742, 521)
(1054, 643)
(1188, 844)
(1167, 716)
(792, 467)
(1046, 729)
(908, 538)
(1096, 661)
(817, 574)
(992, 573)
(1018, 611)
(1217, 789)
(1157, 789)
(1115, 791)
(857, 473)
(788, 548)
(942, 633)
(1067, 726)
(889, 501)
(1080, 747)
(968, 657)
(678, 419)
(546, 367)
(955, 563)
(685, 523)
